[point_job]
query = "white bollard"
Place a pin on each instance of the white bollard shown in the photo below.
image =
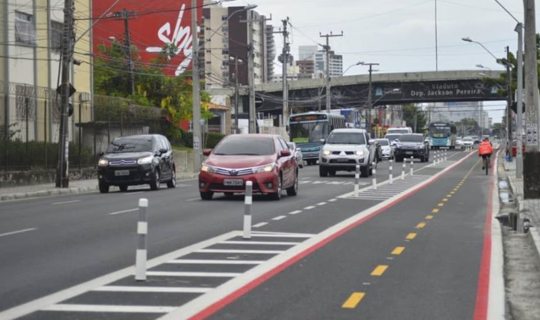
(445, 155)
(390, 172)
(356, 179)
(142, 231)
(412, 161)
(248, 200)
(403, 169)
(374, 175)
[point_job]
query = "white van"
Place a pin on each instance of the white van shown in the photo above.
(399, 130)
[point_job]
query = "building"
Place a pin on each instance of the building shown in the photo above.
(457, 111)
(307, 52)
(306, 69)
(335, 66)
(30, 43)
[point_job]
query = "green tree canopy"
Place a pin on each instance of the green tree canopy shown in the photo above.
(414, 117)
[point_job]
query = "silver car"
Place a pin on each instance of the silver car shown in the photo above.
(387, 150)
(297, 153)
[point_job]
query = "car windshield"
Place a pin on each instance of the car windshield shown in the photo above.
(400, 131)
(383, 142)
(246, 147)
(346, 138)
(131, 144)
(411, 138)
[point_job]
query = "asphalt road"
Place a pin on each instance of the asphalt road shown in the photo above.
(310, 271)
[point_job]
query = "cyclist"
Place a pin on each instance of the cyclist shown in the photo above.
(485, 149)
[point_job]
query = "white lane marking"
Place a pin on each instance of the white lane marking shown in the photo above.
(208, 261)
(279, 218)
(295, 212)
(193, 199)
(192, 274)
(240, 251)
(123, 211)
(16, 232)
(106, 308)
(65, 202)
(258, 225)
(332, 200)
(281, 234)
(152, 289)
(262, 242)
(309, 207)
(321, 203)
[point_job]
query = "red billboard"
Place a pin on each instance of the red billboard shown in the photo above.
(154, 25)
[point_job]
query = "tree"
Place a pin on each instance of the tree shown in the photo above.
(414, 117)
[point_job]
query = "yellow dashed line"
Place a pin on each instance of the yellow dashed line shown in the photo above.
(354, 300)
(441, 204)
(429, 217)
(421, 225)
(379, 270)
(411, 236)
(449, 195)
(445, 200)
(398, 250)
(435, 210)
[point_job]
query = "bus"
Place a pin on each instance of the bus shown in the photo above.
(442, 135)
(307, 130)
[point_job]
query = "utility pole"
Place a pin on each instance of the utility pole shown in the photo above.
(125, 15)
(531, 180)
(509, 100)
(251, 74)
(369, 102)
(196, 119)
(285, 62)
(65, 90)
(519, 99)
(327, 51)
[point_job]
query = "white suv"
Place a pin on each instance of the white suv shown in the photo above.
(343, 149)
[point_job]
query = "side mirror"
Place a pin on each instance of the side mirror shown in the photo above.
(206, 152)
(285, 153)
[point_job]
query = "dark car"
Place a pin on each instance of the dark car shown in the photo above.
(263, 159)
(411, 145)
(135, 160)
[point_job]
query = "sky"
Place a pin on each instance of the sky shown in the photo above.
(401, 35)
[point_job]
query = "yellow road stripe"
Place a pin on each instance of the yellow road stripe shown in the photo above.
(398, 250)
(449, 195)
(429, 217)
(421, 225)
(445, 200)
(411, 236)
(354, 300)
(441, 204)
(379, 270)
(435, 210)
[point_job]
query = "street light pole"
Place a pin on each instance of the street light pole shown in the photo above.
(519, 106)
(369, 103)
(236, 61)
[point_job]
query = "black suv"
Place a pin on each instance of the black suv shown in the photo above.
(134, 160)
(411, 145)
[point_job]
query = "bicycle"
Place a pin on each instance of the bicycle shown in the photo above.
(485, 162)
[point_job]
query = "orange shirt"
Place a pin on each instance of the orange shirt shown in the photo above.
(485, 148)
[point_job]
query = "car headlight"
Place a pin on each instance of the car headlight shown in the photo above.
(145, 160)
(326, 152)
(266, 168)
(207, 168)
(360, 153)
(103, 162)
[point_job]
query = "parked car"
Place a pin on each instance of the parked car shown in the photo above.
(135, 160)
(393, 138)
(387, 151)
(412, 145)
(343, 149)
(264, 159)
(297, 153)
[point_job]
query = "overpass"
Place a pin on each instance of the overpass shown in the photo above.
(387, 88)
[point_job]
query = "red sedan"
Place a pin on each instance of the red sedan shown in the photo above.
(264, 159)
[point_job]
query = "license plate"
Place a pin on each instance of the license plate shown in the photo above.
(409, 152)
(342, 160)
(121, 173)
(233, 182)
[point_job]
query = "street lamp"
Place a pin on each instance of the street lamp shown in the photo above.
(467, 39)
(236, 61)
(352, 65)
(368, 118)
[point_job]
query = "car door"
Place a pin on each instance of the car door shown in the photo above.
(164, 157)
(287, 163)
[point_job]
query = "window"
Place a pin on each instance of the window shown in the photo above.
(25, 32)
(57, 31)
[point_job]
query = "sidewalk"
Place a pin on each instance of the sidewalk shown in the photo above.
(528, 208)
(75, 186)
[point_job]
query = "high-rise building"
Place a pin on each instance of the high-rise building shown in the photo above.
(335, 66)
(307, 52)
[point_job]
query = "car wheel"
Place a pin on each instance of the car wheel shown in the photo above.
(103, 187)
(277, 195)
(172, 183)
(154, 185)
(323, 172)
(207, 195)
(123, 187)
(332, 172)
(293, 190)
(364, 172)
(398, 159)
